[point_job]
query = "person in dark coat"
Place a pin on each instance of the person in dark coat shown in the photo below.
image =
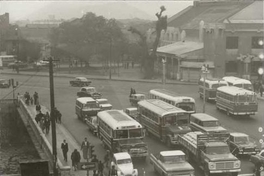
(64, 148)
(47, 122)
(261, 89)
(76, 158)
(100, 168)
(95, 160)
(113, 171)
(107, 159)
(39, 116)
(38, 108)
(36, 97)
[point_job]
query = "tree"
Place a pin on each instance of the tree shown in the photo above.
(150, 54)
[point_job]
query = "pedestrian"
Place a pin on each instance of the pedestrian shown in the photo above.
(55, 114)
(39, 116)
(100, 168)
(47, 122)
(94, 160)
(113, 171)
(59, 116)
(75, 157)
(84, 147)
(36, 97)
(64, 148)
(42, 123)
(261, 89)
(38, 108)
(107, 158)
(31, 101)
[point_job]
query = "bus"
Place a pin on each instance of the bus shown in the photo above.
(121, 133)
(6, 59)
(183, 102)
(238, 82)
(210, 85)
(236, 101)
(163, 120)
(86, 107)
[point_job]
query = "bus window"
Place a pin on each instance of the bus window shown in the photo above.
(135, 133)
(215, 86)
(121, 134)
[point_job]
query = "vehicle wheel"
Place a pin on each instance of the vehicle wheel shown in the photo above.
(168, 142)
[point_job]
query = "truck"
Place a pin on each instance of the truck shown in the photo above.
(122, 163)
(211, 152)
(258, 159)
(171, 162)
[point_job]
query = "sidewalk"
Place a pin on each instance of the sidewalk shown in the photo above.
(61, 134)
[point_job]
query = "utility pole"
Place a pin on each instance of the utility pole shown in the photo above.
(53, 123)
(110, 64)
(205, 71)
(164, 71)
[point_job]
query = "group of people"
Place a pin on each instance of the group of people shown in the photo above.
(258, 87)
(44, 121)
(31, 100)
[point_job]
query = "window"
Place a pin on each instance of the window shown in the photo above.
(231, 42)
(120, 134)
(256, 43)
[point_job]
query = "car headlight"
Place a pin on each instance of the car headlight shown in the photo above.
(211, 165)
(135, 172)
(237, 164)
(240, 149)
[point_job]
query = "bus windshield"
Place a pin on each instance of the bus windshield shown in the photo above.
(210, 124)
(217, 150)
(176, 119)
(132, 133)
(186, 106)
(90, 105)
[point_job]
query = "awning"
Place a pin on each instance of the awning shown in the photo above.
(180, 48)
(196, 64)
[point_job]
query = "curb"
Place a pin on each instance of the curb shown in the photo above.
(102, 78)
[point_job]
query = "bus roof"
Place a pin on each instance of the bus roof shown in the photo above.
(236, 80)
(233, 90)
(7, 56)
(172, 153)
(169, 95)
(84, 100)
(204, 117)
(160, 107)
(214, 80)
(122, 155)
(117, 119)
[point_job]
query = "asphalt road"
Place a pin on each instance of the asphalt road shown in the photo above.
(117, 93)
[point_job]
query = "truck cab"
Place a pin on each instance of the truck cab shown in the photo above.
(123, 164)
(171, 162)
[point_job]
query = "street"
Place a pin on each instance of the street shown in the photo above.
(117, 93)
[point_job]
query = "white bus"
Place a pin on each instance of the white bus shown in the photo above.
(6, 59)
(183, 102)
(238, 82)
(121, 133)
(163, 120)
(210, 85)
(237, 101)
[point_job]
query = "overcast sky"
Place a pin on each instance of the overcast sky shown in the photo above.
(22, 9)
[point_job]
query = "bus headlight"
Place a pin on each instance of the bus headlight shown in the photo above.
(237, 164)
(211, 165)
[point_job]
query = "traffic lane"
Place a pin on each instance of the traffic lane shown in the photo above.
(116, 93)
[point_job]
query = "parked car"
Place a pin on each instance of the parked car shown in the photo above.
(80, 81)
(135, 98)
(89, 92)
(20, 64)
(239, 144)
(132, 112)
(103, 104)
(4, 83)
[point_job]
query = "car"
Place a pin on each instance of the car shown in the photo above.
(20, 64)
(132, 112)
(4, 83)
(239, 144)
(89, 92)
(103, 104)
(80, 81)
(135, 98)
(123, 164)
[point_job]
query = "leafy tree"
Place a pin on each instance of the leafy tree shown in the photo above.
(149, 54)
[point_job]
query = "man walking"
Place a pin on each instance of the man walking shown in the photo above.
(35, 96)
(64, 147)
(75, 157)
(84, 147)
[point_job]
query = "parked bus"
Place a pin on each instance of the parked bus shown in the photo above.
(183, 102)
(6, 59)
(210, 85)
(121, 133)
(163, 120)
(86, 107)
(237, 101)
(238, 82)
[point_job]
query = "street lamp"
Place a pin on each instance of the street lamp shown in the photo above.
(17, 43)
(205, 71)
(164, 70)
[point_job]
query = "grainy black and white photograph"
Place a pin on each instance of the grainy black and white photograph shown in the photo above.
(132, 88)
